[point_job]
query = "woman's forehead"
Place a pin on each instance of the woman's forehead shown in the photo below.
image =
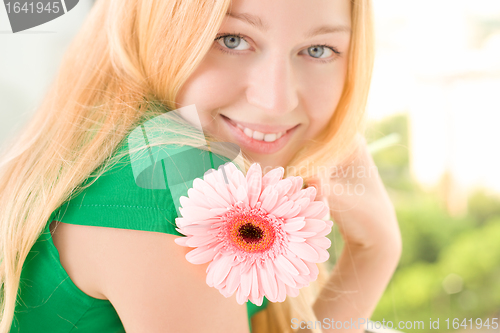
(310, 17)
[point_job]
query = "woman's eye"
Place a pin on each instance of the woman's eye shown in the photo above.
(317, 51)
(231, 42)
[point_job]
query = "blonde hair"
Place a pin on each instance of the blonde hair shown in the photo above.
(127, 54)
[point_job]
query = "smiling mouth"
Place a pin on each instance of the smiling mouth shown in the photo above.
(259, 145)
(259, 135)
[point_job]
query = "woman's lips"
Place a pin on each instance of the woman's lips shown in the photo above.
(257, 146)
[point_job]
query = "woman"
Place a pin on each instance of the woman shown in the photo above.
(291, 74)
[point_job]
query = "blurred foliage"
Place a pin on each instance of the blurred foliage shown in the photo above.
(393, 162)
(450, 266)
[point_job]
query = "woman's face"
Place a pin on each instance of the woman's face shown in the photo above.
(273, 77)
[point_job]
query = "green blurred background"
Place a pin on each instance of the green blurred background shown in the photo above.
(449, 267)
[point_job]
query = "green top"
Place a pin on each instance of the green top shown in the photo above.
(140, 195)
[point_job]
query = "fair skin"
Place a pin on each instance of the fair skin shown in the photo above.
(275, 77)
(270, 78)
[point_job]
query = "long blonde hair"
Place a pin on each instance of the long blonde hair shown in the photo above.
(127, 54)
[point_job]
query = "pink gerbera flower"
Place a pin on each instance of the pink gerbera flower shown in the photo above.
(263, 235)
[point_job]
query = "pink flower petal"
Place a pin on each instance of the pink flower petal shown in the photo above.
(255, 292)
(254, 182)
(224, 291)
(298, 195)
(314, 270)
(210, 273)
(314, 225)
(292, 212)
(282, 209)
(284, 276)
(222, 269)
(200, 255)
(268, 282)
(218, 211)
(181, 241)
(273, 177)
(303, 234)
(303, 251)
(322, 242)
(324, 214)
(281, 201)
(211, 193)
(296, 239)
(237, 179)
(246, 282)
(265, 192)
(286, 265)
(185, 201)
(196, 229)
(303, 203)
(221, 284)
(230, 167)
(316, 209)
(233, 190)
(242, 195)
(224, 193)
(323, 253)
(218, 247)
(269, 200)
(195, 241)
(199, 184)
(208, 222)
(246, 267)
(294, 224)
(241, 298)
(281, 291)
(298, 263)
(181, 222)
(233, 279)
(310, 192)
(216, 201)
(296, 185)
(327, 229)
(303, 280)
(196, 198)
(211, 177)
(283, 186)
(196, 213)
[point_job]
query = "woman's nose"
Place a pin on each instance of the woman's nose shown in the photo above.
(272, 87)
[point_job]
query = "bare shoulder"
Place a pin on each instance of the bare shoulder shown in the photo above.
(70, 239)
(147, 278)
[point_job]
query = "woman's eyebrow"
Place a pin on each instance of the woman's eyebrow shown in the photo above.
(250, 19)
(256, 22)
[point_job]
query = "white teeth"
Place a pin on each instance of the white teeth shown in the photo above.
(269, 137)
(248, 132)
(258, 135)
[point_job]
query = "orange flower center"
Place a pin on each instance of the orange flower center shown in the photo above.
(251, 233)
